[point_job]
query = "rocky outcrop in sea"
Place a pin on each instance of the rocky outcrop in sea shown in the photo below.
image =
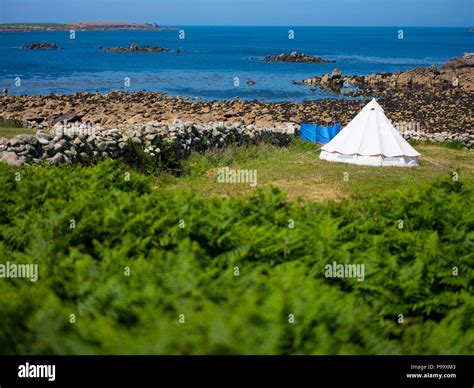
(296, 57)
(135, 48)
(40, 46)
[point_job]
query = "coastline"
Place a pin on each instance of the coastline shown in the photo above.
(441, 115)
(81, 26)
(85, 128)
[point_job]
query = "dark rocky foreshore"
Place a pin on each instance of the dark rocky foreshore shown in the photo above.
(296, 57)
(40, 46)
(135, 48)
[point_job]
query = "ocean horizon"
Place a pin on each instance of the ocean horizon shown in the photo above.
(216, 62)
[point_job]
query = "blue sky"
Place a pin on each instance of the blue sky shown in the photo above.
(246, 12)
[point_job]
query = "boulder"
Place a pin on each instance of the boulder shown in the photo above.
(13, 142)
(64, 118)
(325, 79)
(467, 60)
(336, 73)
(34, 119)
(12, 159)
(43, 141)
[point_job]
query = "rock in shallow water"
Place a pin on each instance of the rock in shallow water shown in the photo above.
(295, 57)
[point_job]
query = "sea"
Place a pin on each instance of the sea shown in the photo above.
(211, 63)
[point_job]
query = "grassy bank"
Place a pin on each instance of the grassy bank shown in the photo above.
(10, 129)
(171, 265)
(298, 171)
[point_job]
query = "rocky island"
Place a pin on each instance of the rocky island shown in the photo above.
(135, 48)
(296, 57)
(40, 46)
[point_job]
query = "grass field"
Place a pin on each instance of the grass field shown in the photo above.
(9, 129)
(298, 171)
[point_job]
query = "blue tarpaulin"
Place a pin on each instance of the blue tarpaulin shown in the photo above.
(318, 133)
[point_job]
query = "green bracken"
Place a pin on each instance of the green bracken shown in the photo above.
(183, 251)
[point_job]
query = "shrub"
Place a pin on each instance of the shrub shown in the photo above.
(191, 270)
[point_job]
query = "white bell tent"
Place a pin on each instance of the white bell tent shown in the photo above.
(370, 139)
